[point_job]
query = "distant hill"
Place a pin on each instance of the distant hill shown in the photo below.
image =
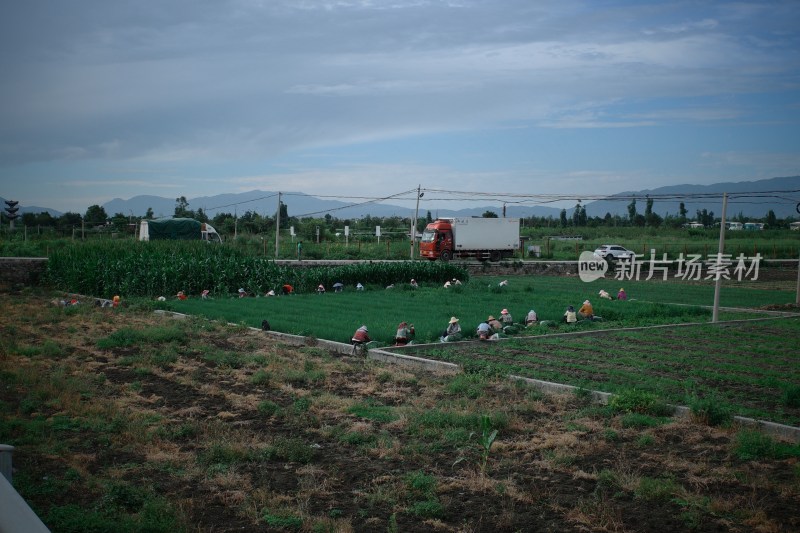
(265, 203)
(749, 207)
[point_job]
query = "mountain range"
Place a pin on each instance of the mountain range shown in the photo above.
(299, 204)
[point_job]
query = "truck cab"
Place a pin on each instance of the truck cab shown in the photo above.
(437, 241)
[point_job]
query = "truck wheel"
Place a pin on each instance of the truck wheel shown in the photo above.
(494, 256)
(445, 255)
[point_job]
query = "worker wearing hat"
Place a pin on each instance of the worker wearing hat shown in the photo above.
(453, 331)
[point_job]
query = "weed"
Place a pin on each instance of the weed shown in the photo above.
(711, 410)
(373, 411)
(358, 438)
(282, 521)
(469, 385)
(610, 435)
(132, 337)
(790, 396)
(654, 489)
(289, 449)
(427, 509)
(260, 377)
(638, 401)
(301, 405)
(645, 440)
(420, 484)
(752, 445)
(392, 527)
(638, 420)
(268, 407)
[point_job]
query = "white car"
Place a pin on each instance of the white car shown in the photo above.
(613, 251)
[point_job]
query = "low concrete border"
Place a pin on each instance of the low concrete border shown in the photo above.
(16, 516)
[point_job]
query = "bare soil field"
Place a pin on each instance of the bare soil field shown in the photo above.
(128, 421)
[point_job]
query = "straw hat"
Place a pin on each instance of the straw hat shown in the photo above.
(586, 302)
(491, 318)
(453, 320)
(504, 312)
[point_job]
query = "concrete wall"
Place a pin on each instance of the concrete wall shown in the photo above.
(24, 270)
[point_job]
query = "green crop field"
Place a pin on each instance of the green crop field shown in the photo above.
(335, 316)
(749, 369)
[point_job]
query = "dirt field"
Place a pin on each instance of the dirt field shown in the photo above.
(119, 413)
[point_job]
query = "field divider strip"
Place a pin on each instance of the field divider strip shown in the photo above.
(775, 313)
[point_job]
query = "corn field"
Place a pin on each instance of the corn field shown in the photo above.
(162, 268)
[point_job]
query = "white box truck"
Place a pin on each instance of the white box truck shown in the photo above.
(482, 238)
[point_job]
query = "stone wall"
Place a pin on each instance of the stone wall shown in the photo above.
(22, 270)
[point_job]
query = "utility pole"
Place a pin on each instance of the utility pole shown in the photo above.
(414, 222)
(278, 226)
(718, 283)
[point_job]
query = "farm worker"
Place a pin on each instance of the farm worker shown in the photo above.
(621, 295)
(338, 286)
(494, 323)
(287, 289)
(299, 250)
(446, 284)
(361, 336)
(391, 286)
(161, 299)
(242, 293)
(570, 316)
(405, 333)
(503, 283)
(531, 318)
(204, 294)
(359, 286)
(604, 294)
(181, 295)
(115, 301)
(320, 289)
(453, 331)
(270, 293)
(505, 317)
(484, 331)
(586, 310)
(414, 284)
(456, 282)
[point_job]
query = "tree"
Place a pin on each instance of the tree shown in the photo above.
(120, 221)
(632, 211)
(95, 216)
(149, 214)
(682, 211)
(182, 208)
(576, 215)
(489, 214)
(650, 218)
(771, 220)
(69, 220)
(428, 218)
(563, 218)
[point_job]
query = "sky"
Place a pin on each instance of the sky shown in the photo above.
(372, 98)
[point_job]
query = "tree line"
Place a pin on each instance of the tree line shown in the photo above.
(330, 228)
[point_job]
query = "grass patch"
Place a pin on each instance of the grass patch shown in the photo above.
(753, 445)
